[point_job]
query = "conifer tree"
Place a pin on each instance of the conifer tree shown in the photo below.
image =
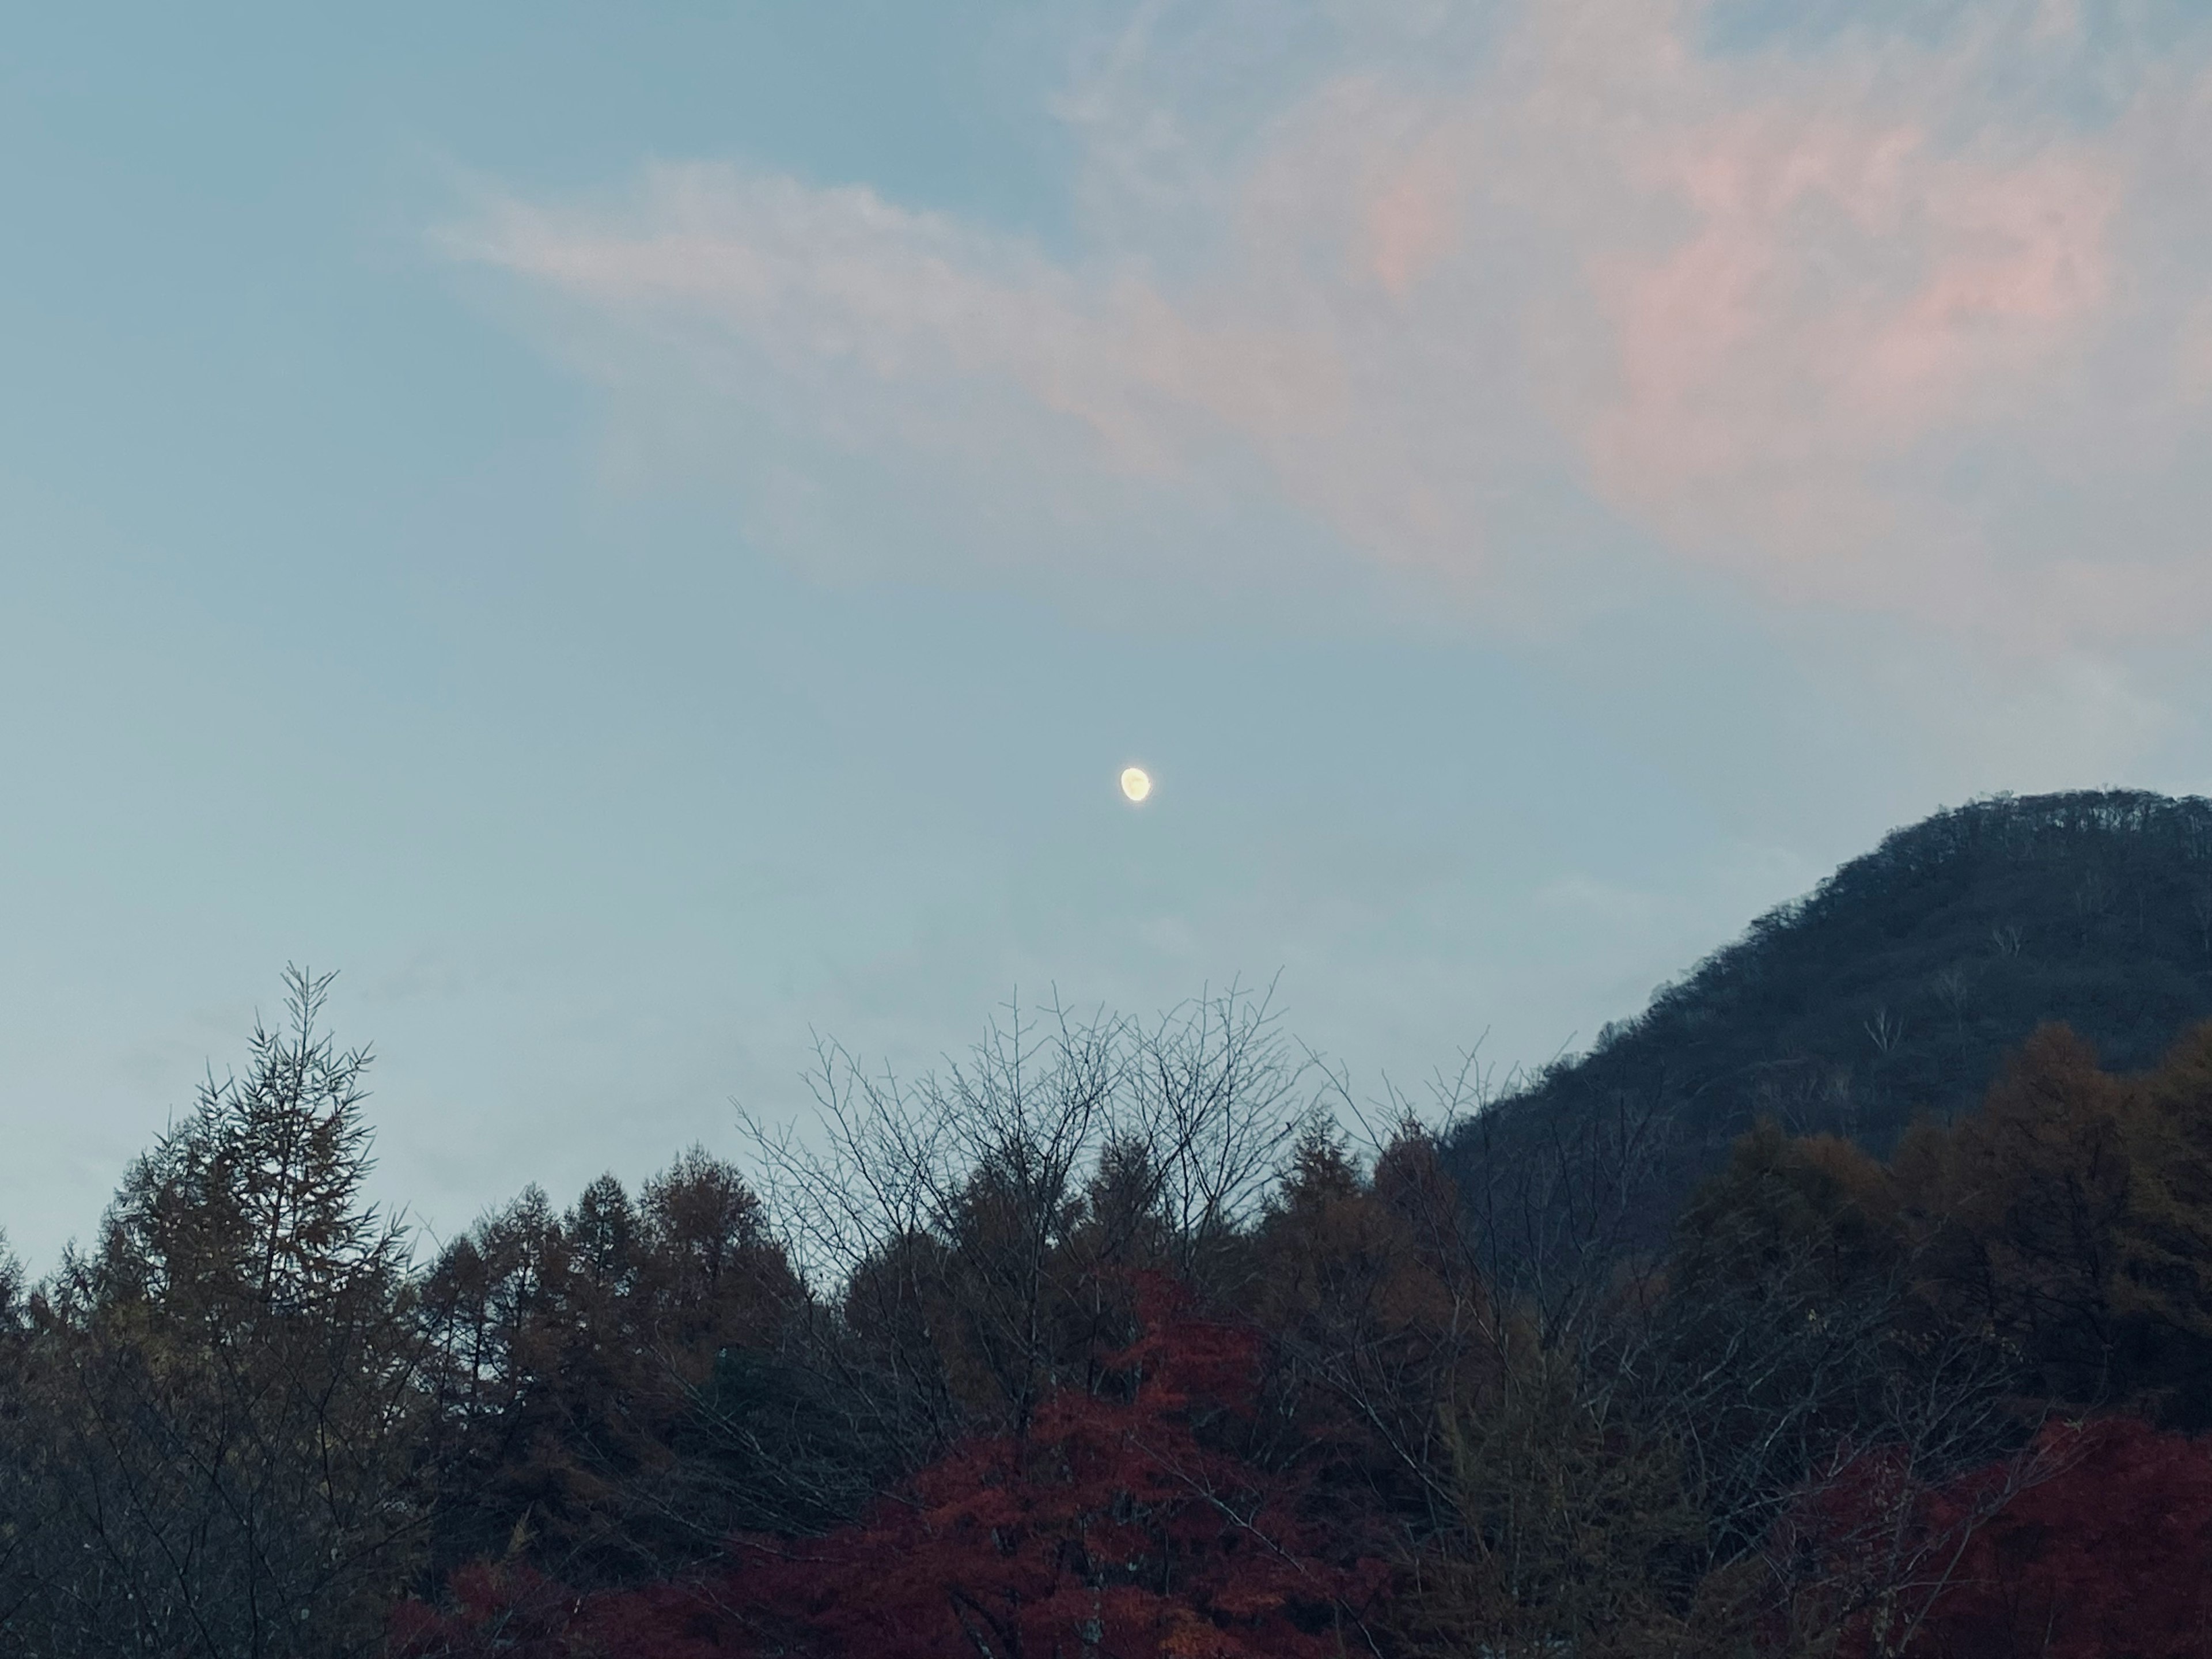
(221, 1404)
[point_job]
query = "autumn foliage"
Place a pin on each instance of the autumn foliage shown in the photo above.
(1114, 1344)
(1120, 1522)
(2103, 1551)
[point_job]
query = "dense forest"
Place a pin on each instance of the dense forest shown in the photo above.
(1123, 1339)
(1894, 990)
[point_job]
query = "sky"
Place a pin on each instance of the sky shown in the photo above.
(643, 536)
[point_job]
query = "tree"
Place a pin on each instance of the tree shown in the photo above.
(219, 1409)
(1117, 1523)
(1575, 1529)
(2167, 1245)
(2109, 1558)
(1380, 1328)
(2072, 1214)
(599, 1376)
(952, 1230)
(2036, 1193)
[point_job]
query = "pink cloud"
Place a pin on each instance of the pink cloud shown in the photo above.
(1413, 221)
(1842, 294)
(1765, 326)
(1812, 319)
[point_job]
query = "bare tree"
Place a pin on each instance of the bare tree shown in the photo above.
(951, 1230)
(1215, 1095)
(1955, 990)
(925, 1218)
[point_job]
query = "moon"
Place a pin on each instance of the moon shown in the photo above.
(1136, 783)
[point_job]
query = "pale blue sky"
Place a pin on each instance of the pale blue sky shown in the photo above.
(636, 533)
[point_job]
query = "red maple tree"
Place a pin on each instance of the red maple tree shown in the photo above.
(2109, 1558)
(2096, 1542)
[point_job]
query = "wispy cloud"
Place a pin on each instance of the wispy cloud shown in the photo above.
(1910, 323)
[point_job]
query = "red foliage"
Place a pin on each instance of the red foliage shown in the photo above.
(2109, 1558)
(2103, 1551)
(1114, 1526)
(509, 1610)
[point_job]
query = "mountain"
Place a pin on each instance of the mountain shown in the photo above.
(1896, 986)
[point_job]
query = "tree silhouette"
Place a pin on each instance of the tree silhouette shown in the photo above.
(218, 1416)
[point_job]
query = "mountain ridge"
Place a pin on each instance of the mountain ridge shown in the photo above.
(1895, 987)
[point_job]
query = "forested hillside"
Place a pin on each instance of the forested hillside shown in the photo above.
(1895, 987)
(1112, 1341)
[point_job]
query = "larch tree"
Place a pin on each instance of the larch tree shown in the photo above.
(214, 1439)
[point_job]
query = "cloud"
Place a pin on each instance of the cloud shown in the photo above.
(1903, 322)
